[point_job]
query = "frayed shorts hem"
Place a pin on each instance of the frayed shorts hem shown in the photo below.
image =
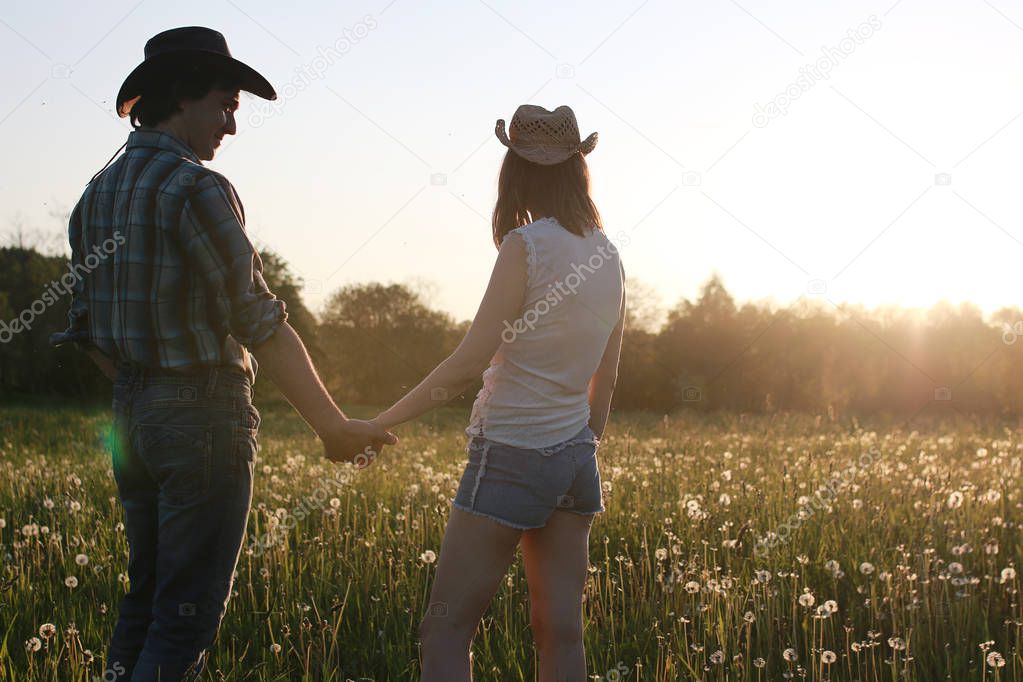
(516, 526)
(584, 513)
(493, 518)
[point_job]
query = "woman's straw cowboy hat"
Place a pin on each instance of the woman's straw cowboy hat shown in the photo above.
(544, 137)
(189, 46)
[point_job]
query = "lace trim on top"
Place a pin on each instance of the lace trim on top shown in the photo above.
(530, 250)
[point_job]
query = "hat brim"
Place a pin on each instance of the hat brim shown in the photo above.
(156, 67)
(547, 155)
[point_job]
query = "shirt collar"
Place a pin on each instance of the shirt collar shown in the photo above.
(158, 139)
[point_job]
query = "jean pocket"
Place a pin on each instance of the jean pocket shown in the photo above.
(179, 457)
(246, 439)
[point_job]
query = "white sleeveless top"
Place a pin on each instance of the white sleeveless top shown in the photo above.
(536, 391)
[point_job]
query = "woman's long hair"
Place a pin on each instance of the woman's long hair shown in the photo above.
(528, 191)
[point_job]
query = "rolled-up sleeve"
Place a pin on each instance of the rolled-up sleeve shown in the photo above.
(212, 233)
(77, 331)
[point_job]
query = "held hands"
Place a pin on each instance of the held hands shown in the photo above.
(355, 441)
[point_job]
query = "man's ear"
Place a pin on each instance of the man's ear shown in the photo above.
(182, 103)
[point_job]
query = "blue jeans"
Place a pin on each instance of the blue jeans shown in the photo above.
(183, 450)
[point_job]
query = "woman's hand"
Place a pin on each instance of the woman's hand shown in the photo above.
(355, 441)
(380, 423)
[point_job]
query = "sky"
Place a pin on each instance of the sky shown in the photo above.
(852, 152)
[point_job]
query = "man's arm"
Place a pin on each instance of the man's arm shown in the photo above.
(284, 358)
(77, 331)
(212, 233)
(105, 364)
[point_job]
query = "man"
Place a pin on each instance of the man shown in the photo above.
(169, 301)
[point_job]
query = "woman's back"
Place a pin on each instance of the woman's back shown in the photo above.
(535, 393)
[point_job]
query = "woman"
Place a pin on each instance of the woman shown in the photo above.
(550, 329)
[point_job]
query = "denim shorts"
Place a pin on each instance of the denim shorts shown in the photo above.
(522, 487)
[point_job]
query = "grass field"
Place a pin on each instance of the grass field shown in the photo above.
(764, 548)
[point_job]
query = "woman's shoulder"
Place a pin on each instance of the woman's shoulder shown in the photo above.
(547, 234)
(538, 235)
(551, 227)
(541, 226)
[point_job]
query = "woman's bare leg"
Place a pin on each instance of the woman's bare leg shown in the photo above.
(474, 557)
(556, 558)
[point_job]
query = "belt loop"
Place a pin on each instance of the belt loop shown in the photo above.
(212, 383)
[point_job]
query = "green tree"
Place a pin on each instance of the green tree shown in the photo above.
(28, 364)
(381, 340)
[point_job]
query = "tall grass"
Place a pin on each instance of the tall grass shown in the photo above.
(765, 548)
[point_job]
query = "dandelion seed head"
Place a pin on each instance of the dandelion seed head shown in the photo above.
(995, 660)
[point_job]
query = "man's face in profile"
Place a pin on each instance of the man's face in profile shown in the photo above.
(208, 120)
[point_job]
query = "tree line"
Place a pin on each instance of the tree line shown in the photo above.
(374, 341)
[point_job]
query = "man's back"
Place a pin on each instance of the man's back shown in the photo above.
(172, 280)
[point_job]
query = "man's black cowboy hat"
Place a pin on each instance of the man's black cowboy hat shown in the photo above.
(189, 45)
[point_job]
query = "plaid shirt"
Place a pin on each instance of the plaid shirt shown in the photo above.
(165, 275)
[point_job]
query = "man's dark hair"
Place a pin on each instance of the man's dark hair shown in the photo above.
(162, 96)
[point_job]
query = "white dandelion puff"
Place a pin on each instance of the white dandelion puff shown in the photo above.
(995, 660)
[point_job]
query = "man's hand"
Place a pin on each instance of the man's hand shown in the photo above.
(104, 363)
(355, 441)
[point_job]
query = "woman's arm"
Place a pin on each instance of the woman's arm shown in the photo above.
(602, 385)
(501, 303)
